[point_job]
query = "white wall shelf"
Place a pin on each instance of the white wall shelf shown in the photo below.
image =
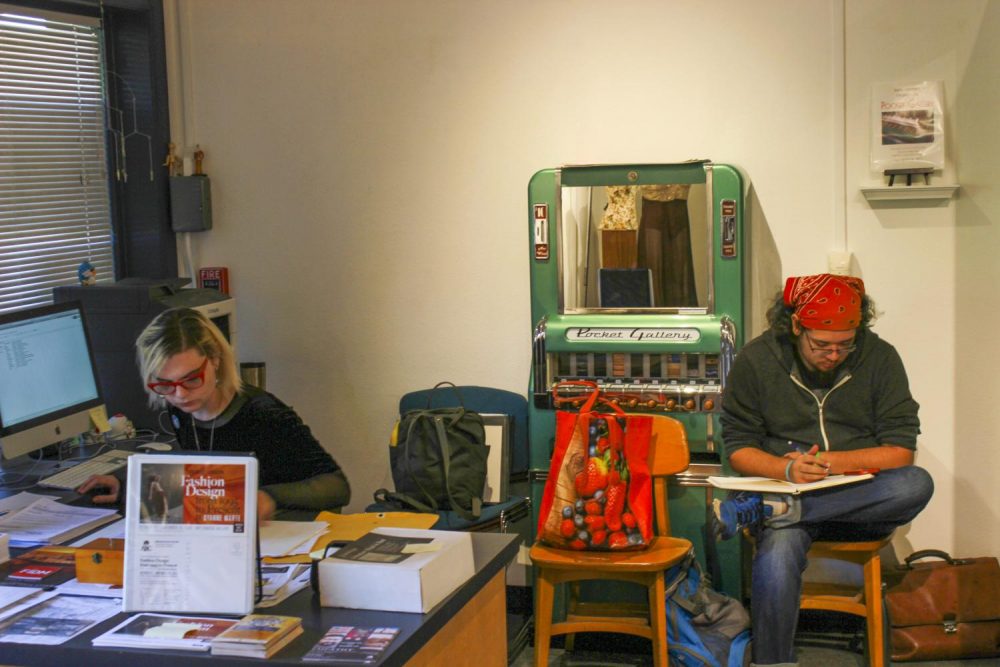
(886, 193)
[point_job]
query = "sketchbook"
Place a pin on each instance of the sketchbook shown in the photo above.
(190, 534)
(768, 485)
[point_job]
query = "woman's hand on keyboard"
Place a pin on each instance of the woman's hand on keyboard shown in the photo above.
(107, 483)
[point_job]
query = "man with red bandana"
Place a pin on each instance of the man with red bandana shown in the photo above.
(817, 394)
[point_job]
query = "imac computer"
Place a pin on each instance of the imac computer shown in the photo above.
(48, 382)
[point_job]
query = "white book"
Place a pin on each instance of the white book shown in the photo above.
(780, 486)
(190, 534)
(397, 569)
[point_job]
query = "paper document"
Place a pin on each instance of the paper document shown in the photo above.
(15, 599)
(47, 521)
(57, 619)
(284, 538)
(19, 501)
(768, 485)
(349, 527)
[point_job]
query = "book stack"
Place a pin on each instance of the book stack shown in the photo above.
(257, 636)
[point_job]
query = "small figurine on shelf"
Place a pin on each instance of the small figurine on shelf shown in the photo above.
(199, 158)
(172, 163)
(87, 274)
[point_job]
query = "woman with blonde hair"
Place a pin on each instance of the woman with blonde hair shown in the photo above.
(190, 369)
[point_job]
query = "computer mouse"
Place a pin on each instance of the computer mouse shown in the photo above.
(155, 446)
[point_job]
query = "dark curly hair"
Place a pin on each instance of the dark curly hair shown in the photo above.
(779, 316)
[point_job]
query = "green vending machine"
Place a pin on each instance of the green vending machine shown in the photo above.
(638, 283)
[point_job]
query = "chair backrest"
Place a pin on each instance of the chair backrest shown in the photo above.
(484, 400)
(668, 455)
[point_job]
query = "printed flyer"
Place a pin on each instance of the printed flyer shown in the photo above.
(190, 534)
(907, 126)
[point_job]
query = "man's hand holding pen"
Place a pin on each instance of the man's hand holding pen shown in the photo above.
(805, 465)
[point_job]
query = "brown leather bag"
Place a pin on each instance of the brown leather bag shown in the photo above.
(944, 610)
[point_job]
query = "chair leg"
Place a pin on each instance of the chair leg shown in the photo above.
(658, 620)
(572, 597)
(873, 603)
(544, 596)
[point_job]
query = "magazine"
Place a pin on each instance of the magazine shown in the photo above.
(351, 645)
(190, 534)
(189, 633)
(41, 567)
(57, 619)
(907, 125)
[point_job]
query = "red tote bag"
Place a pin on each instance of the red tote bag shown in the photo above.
(598, 495)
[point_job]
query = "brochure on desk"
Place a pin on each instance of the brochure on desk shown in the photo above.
(190, 534)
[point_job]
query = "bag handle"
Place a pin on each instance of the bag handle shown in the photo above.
(934, 553)
(591, 398)
(445, 383)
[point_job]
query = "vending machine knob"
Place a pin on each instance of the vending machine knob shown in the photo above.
(689, 404)
(632, 402)
(709, 404)
(616, 401)
(651, 403)
(670, 404)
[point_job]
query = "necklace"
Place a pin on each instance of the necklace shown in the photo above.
(211, 436)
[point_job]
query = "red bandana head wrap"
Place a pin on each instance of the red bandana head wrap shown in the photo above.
(825, 301)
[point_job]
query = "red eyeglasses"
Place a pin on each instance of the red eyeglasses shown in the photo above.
(192, 381)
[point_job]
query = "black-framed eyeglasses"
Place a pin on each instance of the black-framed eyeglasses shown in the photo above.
(826, 349)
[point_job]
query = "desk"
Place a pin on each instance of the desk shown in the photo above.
(468, 629)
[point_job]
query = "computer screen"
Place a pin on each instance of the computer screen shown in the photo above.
(48, 384)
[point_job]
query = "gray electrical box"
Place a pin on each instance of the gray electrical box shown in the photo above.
(190, 203)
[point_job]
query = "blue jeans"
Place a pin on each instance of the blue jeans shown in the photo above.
(856, 512)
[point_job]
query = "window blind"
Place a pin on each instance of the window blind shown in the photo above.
(54, 192)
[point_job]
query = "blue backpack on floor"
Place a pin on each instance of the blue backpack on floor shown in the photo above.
(705, 628)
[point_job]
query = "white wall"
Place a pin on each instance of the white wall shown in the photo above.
(369, 165)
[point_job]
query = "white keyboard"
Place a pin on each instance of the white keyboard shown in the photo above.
(102, 464)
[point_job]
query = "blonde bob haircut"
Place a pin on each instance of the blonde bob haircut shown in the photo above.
(178, 330)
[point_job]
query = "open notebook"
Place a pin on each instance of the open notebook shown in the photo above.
(768, 485)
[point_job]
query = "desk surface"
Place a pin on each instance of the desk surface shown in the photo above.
(492, 552)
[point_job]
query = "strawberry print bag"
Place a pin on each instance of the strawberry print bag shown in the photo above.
(598, 495)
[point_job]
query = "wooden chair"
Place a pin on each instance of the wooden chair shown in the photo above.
(866, 603)
(668, 456)
(846, 598)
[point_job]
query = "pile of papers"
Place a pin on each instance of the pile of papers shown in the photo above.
(258, 636)
(44, 520)
(279, 581)
(56, 619)
(191, 633)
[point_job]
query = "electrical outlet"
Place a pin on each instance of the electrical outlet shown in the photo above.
(839, 262)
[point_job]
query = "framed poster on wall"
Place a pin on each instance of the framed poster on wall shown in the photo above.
(907, 126)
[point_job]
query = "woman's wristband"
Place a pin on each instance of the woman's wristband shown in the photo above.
(788, 469)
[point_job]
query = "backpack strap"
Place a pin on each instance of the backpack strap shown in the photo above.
(391, 497)
(431, 504)
(477, 503)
